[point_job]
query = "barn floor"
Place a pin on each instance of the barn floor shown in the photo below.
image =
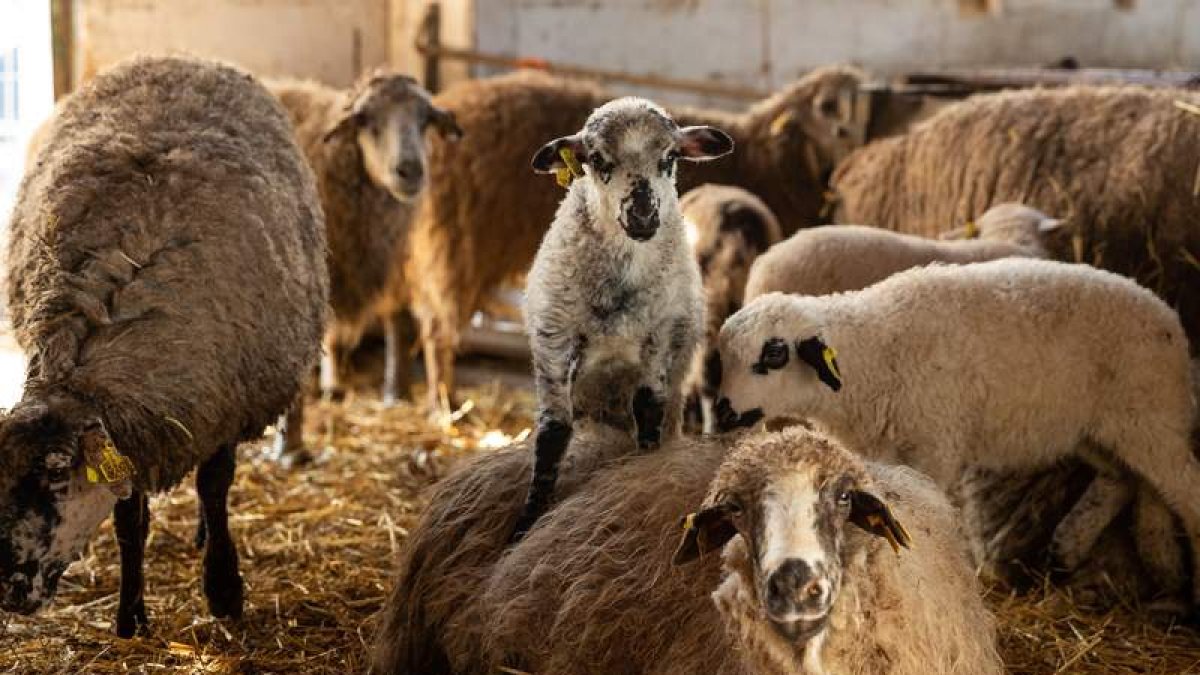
(318, 547)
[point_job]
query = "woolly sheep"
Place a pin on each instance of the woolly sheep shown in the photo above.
(366, 146)
(167, 282)
(1008, 364)
(1117, 163)
(837, 258)
(592, 588)
(613, 281)
(465, 243)
(728, 228)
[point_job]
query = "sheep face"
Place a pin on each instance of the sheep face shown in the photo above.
(628, 149)
(818, 120)
(49, 508)
(773, 362)
(788, 497)
(388, 118)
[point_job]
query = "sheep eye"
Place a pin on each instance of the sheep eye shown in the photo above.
(828, 107)
(57, 475)
(734, 507)
(774, 354)
(844, 498)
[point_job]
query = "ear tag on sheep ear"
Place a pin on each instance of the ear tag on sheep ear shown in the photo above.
(571, 171)
(970, 230)
(872, 515)
(106, 464)
(830, 357)
(781, 121)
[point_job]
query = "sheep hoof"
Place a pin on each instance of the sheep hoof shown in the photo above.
(224, 593)
(133, 622)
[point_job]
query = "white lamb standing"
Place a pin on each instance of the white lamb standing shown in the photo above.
(1010, 364)
(613, 287)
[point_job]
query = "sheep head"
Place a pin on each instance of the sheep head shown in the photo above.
(629, 148)
(780, 504)
(388, 116)
(62, 477)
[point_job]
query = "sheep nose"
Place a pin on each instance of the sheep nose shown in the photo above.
(794, 588)
(410, 171)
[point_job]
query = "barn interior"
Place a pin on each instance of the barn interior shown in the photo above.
(320, 537)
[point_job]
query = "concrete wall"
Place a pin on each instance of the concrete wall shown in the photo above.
(765, 43)
(328, 40)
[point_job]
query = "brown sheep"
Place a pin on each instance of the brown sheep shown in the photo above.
(167, 282)
(728, 228)
(484, 216)
(592, 588)
(1119, 164)
(366, 146)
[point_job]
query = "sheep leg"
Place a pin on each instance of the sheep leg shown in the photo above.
(555, 364)
(1159, 550)
(1080, 529)
(131, 520)
(398, 332)
(657, 404)
(332, 357)
(439, 374)
(222, 583)
(289, 436)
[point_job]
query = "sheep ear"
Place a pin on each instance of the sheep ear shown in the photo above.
(706, 530)
(351, 120)
(823, 359)
(701, 144)
(871, 514)
(1048, 225)
(445, 123)
(549, 158)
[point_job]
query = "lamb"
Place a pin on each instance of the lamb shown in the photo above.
(1008, 364)
(1118, 163)
(366, 146)
(837, 258)
(592, 588)
(467, 242)
(728, 228)
(167, 282)
(613, 281)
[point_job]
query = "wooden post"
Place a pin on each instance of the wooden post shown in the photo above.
(430, 34)
(62, 38)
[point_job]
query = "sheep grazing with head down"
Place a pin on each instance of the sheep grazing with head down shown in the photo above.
(366, 146)
(1009, 364)
(613, 282)
(837, 258)
(799, 558)
(728, 228)
(167, 282)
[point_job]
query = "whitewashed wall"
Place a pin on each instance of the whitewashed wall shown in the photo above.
(768, 42)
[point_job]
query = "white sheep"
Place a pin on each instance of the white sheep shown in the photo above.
(795, 563)
(837, 258)
(1007, 364)
(614, 281)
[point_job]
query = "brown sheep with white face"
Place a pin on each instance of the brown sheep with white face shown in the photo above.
(728, 228)
(808, 580)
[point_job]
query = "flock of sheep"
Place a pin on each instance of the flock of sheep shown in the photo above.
(187, 239)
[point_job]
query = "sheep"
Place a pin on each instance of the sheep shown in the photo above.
(1008, 364)
(613, 281)
(728, 228)
(1117, 163)
(605, 583)
(467, 242)
(167, 283)
(837, 258)
(366, 146)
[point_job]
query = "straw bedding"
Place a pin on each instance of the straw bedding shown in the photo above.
(319, 546)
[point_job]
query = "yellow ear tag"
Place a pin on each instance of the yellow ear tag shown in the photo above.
(877, 523)
(830, 357)
(970, 230)
(781, 120)
(563, 177)
(571, 171)
(110, 467)
(689, 522)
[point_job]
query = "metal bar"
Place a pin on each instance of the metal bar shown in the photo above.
(435, 51)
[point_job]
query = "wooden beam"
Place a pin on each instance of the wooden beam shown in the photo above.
(62, 39)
